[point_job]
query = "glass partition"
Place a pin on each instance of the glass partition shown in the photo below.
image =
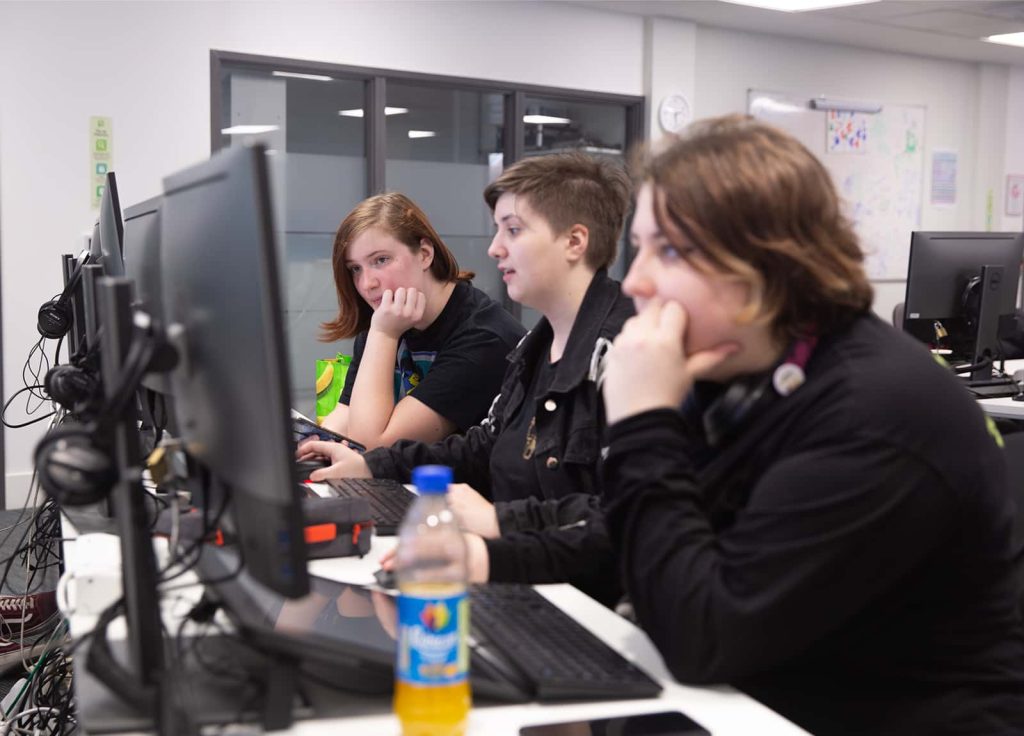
(440, 146)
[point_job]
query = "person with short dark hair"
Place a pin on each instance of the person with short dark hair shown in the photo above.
(529, 486)
(805, 504)
(430, 347)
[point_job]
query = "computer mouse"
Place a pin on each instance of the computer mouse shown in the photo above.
(304, 467)
(386, 578)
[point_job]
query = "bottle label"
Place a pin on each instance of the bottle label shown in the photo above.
(432, 634)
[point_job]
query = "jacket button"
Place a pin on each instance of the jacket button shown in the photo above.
(552, 463)
(550, 405)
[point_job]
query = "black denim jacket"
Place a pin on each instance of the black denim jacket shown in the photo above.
(553, 532)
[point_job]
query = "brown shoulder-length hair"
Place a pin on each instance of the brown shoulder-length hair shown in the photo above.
(760, 207)
(401, 218)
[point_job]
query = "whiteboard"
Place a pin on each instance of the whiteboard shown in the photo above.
(876, 162)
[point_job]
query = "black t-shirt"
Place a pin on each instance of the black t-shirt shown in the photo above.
(455, 365)
(514, 447)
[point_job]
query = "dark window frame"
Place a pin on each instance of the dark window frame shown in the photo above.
(376, 80)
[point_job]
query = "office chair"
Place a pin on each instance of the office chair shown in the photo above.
(897, 315)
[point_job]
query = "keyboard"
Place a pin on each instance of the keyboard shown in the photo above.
(994, 389)
(389, 499)
(553, 657)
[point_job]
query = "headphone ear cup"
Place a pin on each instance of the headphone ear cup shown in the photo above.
(73, 469)
(54, 319)
(730, 410)
(970, 301)
(71, 386)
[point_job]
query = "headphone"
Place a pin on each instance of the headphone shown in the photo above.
(744, 399)
(75, 460)
(76, 385)
(55, 316)
(75, 388)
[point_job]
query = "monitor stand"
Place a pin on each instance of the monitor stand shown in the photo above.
(139, 573)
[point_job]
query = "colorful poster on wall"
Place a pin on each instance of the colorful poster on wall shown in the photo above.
(101, 156)
(1015, 195)
(944, 165)
(847, 132)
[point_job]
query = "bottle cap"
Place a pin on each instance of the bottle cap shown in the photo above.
(432, 478)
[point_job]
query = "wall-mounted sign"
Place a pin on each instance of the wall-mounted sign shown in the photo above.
(1014, 195)
(101, 156)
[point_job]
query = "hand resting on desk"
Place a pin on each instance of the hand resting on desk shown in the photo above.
(477, 560)
(344, 461)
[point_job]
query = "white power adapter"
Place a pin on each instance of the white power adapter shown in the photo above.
(92, 579)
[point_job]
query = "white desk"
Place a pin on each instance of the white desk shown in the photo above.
(1005, 408)
(722, 710)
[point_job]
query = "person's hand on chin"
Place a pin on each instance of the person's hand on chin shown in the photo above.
(648, 368)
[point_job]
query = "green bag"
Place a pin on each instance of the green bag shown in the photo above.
(330, 380)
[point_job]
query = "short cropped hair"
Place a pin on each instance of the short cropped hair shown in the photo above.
(569, 189)
(401, 218)
(761, 207)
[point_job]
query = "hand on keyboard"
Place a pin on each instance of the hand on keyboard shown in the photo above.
(343, 461)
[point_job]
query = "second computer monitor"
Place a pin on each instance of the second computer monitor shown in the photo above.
(111, 230)
(944, 284)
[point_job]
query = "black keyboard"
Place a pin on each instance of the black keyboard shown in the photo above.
(389, 499)
(993, 389)
(555, 658)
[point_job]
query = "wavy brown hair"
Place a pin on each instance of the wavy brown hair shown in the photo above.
(572, 188)
(400, 217)
(760, 207)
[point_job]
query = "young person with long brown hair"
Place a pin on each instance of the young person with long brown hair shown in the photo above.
(806, 505)
(430, 348)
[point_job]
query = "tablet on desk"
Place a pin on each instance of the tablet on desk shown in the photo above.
(303, 428)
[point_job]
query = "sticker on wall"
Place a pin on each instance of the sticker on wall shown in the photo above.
(944, 167)
(847, 132)
(101, 156)
(1014, 195)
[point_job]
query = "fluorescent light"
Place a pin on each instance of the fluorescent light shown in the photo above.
(798, 6)
(358, 112)
(761, 105)
(1010, 39)
(422, 133)
(545, 120)
(298, 75)
(824, 103)
(248, 129)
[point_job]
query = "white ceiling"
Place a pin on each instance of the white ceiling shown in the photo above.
(947, 29)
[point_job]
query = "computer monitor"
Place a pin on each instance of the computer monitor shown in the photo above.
(142, 266)
(106, 250)
(223, 308)
(967, 283)
(111, 230)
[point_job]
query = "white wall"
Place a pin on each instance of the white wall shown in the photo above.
(147, 66)
(731, 62)
(1013, 158)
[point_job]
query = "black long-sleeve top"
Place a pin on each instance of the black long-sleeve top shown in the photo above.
(552, 528)
(845, 557)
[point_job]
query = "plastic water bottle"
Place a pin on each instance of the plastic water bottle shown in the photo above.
(432, 671)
